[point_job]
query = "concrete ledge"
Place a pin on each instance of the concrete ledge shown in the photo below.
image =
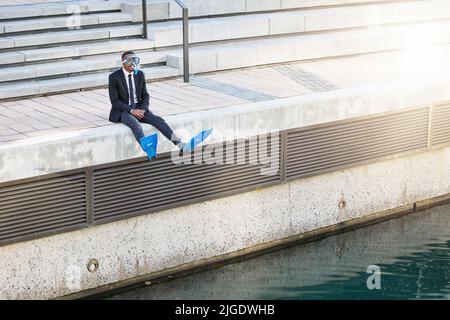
(70, 150)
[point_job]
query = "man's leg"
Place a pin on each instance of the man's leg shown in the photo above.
(133, 123)
(160, 124)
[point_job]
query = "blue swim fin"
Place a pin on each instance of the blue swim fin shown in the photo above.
(197, 139)
(150, 144)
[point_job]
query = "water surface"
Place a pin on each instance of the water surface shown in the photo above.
(412, 253)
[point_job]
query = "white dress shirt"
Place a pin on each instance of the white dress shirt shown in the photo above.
(126, 73)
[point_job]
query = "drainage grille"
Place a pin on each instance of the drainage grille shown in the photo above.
(440, 125)
(41, 206)
(337, 145)
(144, 187)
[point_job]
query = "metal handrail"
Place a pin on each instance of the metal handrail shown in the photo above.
(185, 34)
(144, 19)
(185, 39)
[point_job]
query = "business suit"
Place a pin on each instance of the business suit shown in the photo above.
(121, 104)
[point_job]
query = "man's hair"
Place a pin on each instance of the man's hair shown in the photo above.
(126, 53)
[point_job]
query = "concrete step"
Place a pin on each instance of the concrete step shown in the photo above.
(74, 83)
(203, 30)
(163, 10)
(60, 37)
(255, 25)
(212, 29)
(245, 53)
(229, 55)
(72, 51)
(52, 9)
(84, 64)
(75, 22)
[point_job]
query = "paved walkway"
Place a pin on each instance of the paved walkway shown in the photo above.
(48, 115)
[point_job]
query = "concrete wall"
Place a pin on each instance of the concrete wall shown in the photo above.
(56, 265)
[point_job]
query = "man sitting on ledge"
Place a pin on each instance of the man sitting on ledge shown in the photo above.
(130, 100)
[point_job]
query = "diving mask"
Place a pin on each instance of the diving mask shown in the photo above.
(132, 61)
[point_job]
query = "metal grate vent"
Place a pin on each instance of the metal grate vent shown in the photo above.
(440, 125)
(42, 206)
(144, 187)
(324, 148)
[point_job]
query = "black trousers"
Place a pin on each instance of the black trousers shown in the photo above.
(159, 123)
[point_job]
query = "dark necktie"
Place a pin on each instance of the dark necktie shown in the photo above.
(131, 91)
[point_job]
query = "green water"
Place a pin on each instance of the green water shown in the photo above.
(412, 253)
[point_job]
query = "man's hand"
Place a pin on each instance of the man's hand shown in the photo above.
(138, 113)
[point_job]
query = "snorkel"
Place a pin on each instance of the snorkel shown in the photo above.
(136, 67)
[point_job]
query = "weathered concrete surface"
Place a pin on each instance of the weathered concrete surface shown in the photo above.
(69, 150)
(311, 264)
(49, 267)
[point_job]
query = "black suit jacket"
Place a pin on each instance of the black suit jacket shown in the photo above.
(119, 96)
